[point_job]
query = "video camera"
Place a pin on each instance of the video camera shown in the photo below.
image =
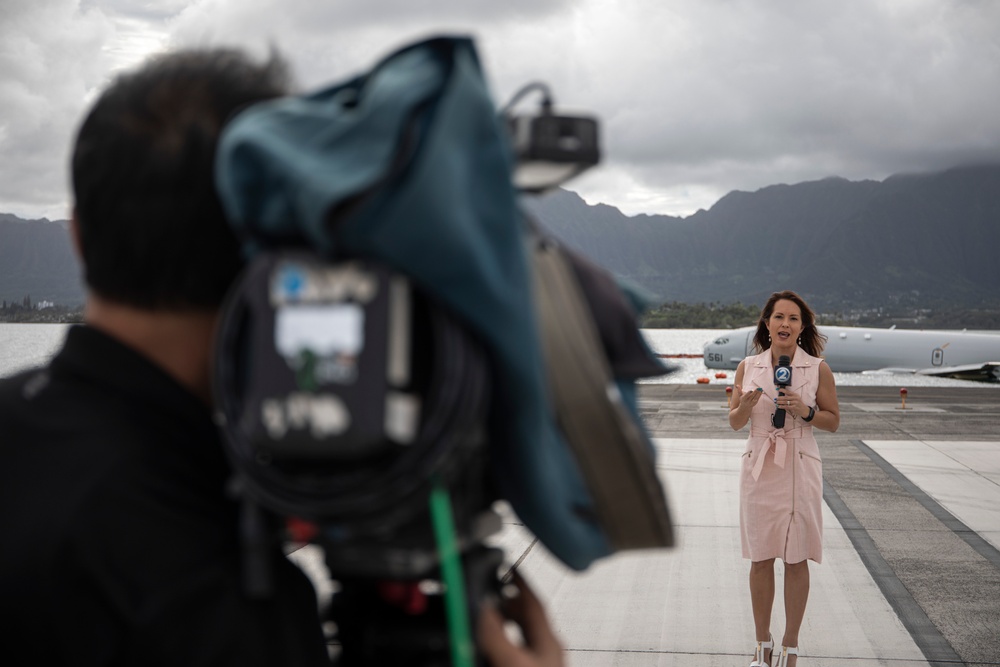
(356, 410)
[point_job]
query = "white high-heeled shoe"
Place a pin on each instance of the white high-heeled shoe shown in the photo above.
(758, 654)
(783, 656)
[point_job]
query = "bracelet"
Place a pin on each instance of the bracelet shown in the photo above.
(809, 417)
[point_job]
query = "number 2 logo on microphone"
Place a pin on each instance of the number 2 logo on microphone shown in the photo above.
(782, 375)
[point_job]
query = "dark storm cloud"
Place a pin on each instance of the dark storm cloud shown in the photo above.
(696, 98)
(50, 58)
(861, 90)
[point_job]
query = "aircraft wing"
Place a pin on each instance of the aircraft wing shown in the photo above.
(985, 372)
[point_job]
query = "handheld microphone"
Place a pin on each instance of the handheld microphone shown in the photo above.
(782, 378)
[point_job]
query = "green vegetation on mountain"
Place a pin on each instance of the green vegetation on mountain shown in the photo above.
(51, 315)
(677, 315)
(918, 251)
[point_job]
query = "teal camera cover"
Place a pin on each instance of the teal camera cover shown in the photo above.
(410, 164)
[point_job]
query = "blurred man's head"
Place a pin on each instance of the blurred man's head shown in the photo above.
(151, 230)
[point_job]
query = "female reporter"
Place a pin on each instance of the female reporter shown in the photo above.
(781, 477)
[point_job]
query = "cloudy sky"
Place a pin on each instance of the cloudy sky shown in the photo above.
(696, 97)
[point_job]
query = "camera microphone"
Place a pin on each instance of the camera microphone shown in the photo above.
(782, 378)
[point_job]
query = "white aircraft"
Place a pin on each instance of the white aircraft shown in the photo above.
(955, 354)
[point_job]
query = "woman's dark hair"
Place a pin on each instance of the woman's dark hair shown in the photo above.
(810, 340)
(151, 227)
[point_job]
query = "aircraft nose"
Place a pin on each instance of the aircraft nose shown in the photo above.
(711, 354)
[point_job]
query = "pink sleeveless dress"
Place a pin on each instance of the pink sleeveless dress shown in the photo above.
(781, 474)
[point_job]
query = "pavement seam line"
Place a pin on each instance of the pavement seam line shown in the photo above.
(952, 458)
(838, 658)
(509, 574)
(936, 649)
(969, 536)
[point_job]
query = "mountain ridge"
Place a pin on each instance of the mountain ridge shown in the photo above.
(37, 261)
(920, 239)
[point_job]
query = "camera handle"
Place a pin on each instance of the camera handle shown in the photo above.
(425, 621)
(462, 648)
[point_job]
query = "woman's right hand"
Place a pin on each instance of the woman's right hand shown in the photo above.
(750, 397)
(742, 403)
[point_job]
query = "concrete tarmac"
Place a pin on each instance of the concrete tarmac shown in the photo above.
(911, 568)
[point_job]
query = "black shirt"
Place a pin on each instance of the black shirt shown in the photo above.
(118, 542)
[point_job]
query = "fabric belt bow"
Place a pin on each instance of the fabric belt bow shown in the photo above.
(776, 441)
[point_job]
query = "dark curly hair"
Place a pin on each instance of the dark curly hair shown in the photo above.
(810, 340)
(151, 227)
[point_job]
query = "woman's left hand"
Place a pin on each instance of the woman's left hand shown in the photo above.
(791, 403)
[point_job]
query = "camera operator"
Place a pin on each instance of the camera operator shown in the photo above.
(120, 538)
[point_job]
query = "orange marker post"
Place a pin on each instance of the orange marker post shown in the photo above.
(902, 398)
(729, 397)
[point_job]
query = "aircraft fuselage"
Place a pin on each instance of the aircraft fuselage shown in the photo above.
(857, 349)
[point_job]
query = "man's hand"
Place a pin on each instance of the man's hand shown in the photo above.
(541, 648)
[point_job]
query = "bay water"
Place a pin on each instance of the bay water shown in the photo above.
(23, 346)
